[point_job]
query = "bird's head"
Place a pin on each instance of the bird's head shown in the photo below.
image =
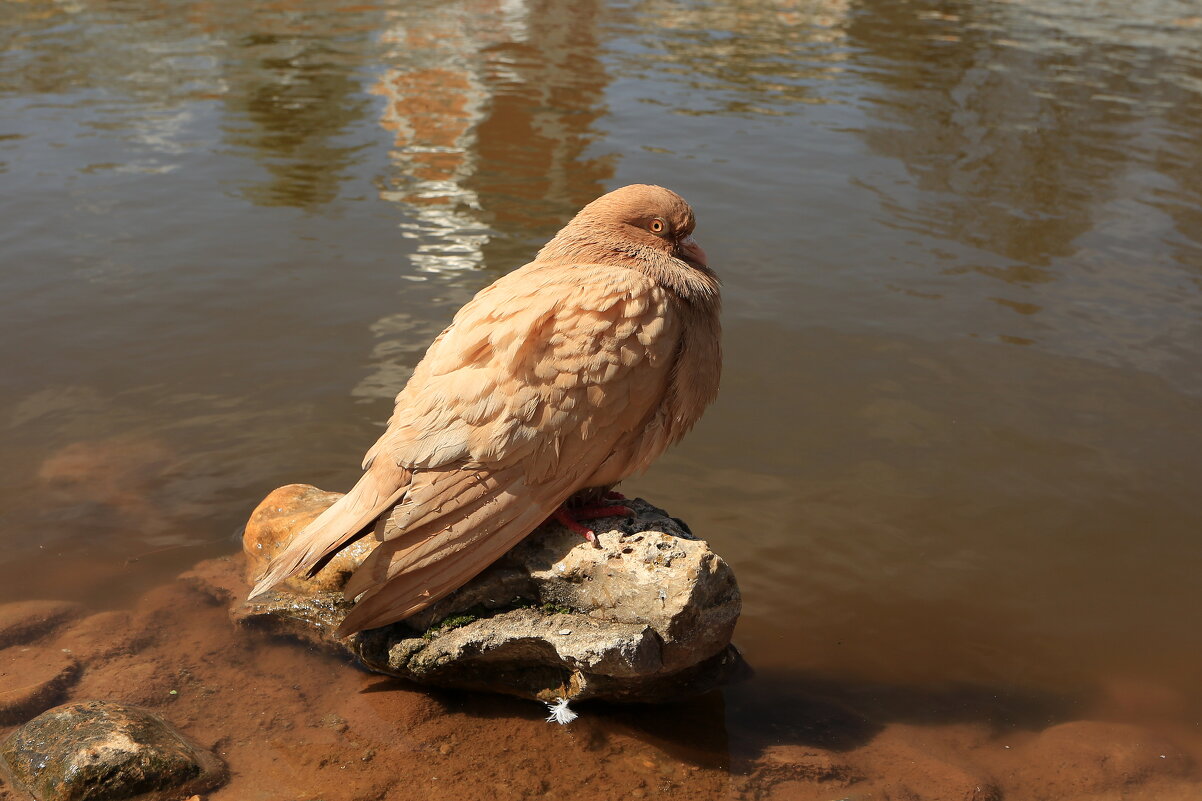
(637, 223)
(652, 216)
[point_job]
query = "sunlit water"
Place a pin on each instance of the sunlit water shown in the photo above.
(959, 435)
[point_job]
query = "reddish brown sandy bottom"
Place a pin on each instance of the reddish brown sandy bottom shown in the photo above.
(295, 724)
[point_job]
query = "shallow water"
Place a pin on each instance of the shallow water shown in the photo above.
(958, 441)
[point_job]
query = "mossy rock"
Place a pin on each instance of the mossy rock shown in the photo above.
(103, 751)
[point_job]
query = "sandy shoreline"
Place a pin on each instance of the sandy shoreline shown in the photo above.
(294, 723)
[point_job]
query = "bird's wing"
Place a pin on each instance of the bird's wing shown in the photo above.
(517, 403)
(545, 350)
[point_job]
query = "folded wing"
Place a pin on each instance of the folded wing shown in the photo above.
(542, 382)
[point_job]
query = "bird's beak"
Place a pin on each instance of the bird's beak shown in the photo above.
(692, 251)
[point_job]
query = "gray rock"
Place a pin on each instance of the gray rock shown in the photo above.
(648, 616)
(102, 751)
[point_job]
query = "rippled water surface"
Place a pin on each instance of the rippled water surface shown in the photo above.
(959, 436)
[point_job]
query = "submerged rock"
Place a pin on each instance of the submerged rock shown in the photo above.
(26, 621)
(794, 771)
(648, 616)
(33, 680)
(1087, 758)
(102, 751)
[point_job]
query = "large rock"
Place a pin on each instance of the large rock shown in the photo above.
(648, 616)
(102, 751)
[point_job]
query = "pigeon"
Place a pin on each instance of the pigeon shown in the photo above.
(550, 386)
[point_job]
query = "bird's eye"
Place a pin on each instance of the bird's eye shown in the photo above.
(657, 226)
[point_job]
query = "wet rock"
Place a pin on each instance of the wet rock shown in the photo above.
(32, 680)
(1139, 700)
(102, 751)
(130, 679)
(285, 512)
(25, 621)
(648, 616)
(127, 479)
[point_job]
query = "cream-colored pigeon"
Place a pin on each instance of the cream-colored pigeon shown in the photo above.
(550, 386)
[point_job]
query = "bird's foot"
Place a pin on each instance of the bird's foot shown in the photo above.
(571, 517)
(563, 516)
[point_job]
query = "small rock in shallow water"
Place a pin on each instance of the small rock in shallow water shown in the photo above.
(129, 680)
(26, 621)
(101, 636)
(793, 771)
(647, 616)
(33, 679)
(102, 751)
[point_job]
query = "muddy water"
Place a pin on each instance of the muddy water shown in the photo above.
(958, 443)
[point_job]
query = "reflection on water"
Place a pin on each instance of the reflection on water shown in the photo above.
(489, 130)
(738, 57)
(490, 122)
(291, 92)
(1044, 164)
(435, 98)
(961, 242)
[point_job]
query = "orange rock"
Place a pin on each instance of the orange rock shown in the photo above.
(220, 578)
(1136, 699)
(274, 522)
(800, 773)
(129, 680)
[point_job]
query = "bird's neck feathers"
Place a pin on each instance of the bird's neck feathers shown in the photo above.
(581, 246)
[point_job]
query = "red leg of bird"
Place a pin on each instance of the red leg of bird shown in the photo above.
(571, 518)
(566, 518)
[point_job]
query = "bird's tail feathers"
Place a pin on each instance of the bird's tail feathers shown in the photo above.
(406, 574)
(376, 491)
(413, 587)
